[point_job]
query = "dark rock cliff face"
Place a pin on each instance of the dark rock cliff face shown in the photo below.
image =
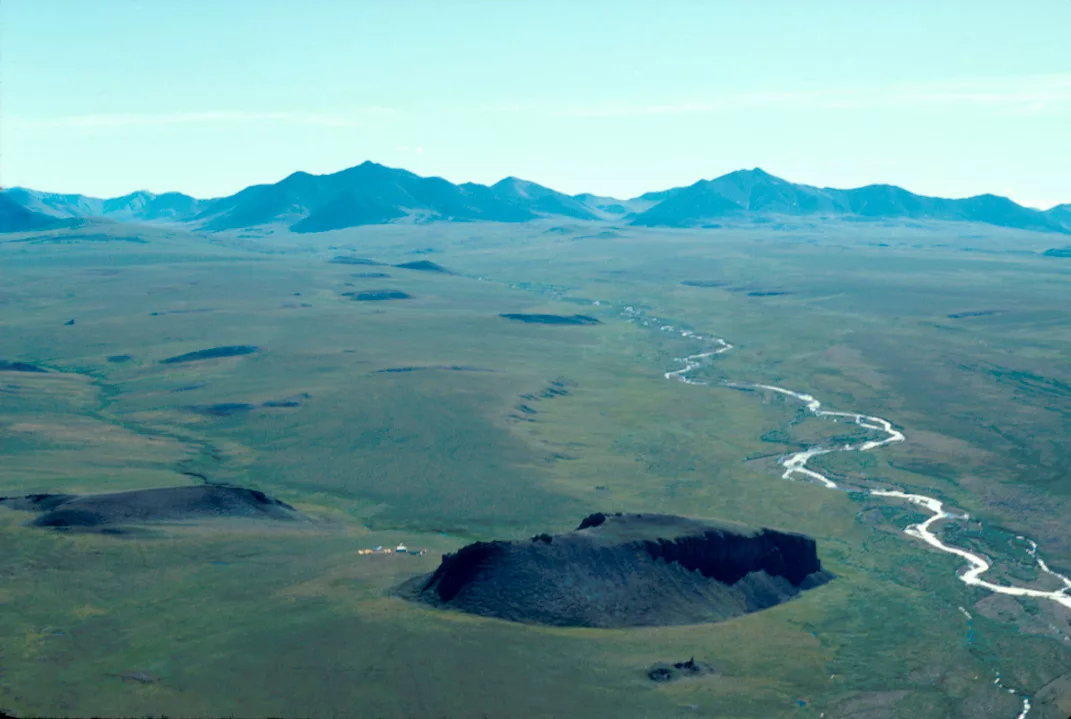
(729, 557)
(626, 570)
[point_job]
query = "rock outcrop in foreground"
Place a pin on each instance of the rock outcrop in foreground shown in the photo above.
(625, 571)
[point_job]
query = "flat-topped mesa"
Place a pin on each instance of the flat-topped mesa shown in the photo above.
(142, 506)
(626, 570)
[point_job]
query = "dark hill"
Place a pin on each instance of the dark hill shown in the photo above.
(170, 206)
(378, 295)
(15, 366)
(542, 319)
(350, 260)
(609, 207)
(55, 204)
(367, 194)
(211, 353)
(424, 266)
(626, 570)
(138, 206)
(1000, 211)
(128, 206)
(738, 193)
(149, 505)
(1061, 214)
(755, 193)
(16, 218)
(538, 199)
(693, 206)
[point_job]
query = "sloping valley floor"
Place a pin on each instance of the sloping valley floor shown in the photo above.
(426, 417)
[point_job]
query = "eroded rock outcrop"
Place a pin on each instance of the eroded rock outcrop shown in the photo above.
(626, 570)
(140, 506)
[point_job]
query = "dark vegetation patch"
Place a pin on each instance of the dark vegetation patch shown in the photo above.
(212, 353)
(116, 359)
(778, 436)
(679, 571)
(679, 670)
(604, 235)
(370, 275)
(1027, 384)
(11, 366)
(73, 238)
(189, 387)
(559, 457)
(1058, 252)
(753, 291)
(378, 295)
(974, 313)
(36, 502)
(180, 312)
(703, 283)
(222, 409)
(294, 401)
(89, 511)
(424, 266)
(440, 367)
(559, 387)
(347, 260)
(550, 319)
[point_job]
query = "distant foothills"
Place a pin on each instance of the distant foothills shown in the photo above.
(372, 194)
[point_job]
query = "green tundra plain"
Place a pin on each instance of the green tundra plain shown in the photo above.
(427, 421)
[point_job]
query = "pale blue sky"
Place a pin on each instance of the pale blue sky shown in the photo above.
(950, 98)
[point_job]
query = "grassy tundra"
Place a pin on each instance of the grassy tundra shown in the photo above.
(390, 404)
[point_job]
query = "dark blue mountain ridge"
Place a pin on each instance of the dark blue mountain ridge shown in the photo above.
(137, 206)
(15, 217)
(372, 194)
(542, 199)
(755, 192)
(366, 194)
(1061, 214)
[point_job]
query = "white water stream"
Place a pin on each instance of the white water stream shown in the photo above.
(796, 464)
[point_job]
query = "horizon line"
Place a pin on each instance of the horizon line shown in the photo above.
(1036, 207)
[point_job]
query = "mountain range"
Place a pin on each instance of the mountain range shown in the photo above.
(1062, 214)
(372, 194)
(15, 217)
